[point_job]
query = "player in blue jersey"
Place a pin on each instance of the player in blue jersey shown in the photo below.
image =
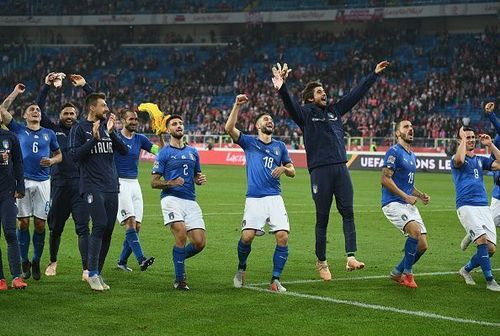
(495, 193)
(130, 204)
(176, 171)
(266, 161)
(399, 197)
(40, 151)
(65, 196)
(92, 144)
(321, 124)
(12, 182)
(472, 202)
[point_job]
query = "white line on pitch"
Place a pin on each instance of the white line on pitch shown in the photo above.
(369, 277)
(382, 308)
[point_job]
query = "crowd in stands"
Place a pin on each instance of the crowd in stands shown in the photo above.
(436, 81)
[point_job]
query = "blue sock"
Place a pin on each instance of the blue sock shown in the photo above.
(417, 256)
(93, 273)
(243, 252)
(133, 241)
(126, 252)
(191, 250)
(279, 260)
(484, 261)
(23, 237)
(410, 253)
(473, 262)
(38, 244)
(399, 268)
(179, 255)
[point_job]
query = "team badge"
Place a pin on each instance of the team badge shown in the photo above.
(391, 159)
(45, 136)
(170, 215)
(404, 217)
(156, 165)
(191, 156)
(480, 163)
(124, 212)
(315, 188)
(276, 152)
(90, 198)
(5, 144)
(243, 223)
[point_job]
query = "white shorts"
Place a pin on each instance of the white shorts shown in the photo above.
(270, 210)
(176, 209)
(477, 220)
(495, 211)
(36, 200)
(401, 214)
(129, 200)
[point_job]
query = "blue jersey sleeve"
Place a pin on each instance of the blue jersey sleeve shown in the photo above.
(244, 141)
(285, 158)
(390, 159)
(14, 127)
(146, 144)
(197, 166)
(160, 162)
(486, 162)
(54, 145)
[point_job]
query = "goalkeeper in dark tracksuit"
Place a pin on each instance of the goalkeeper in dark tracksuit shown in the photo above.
(321, 125)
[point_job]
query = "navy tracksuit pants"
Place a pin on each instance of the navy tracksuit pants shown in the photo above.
(327, 182)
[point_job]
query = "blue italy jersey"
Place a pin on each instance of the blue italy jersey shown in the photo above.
(35, 145)
(127, 165)
(403, 164)
(468, 179)
(261, 160)
(171, 163)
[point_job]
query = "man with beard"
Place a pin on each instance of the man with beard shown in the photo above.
(179, 166)
(92, 144)
(40, 151)
(65, 194)
(399, 197)
(266, 161)
(130, 207)
(321, 124)
(472, 202)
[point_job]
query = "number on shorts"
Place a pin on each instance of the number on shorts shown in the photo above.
(268, 162)
(411, 176)
(35, 147)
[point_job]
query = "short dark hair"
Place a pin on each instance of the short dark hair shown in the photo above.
(92, 98)
(68, 104)
(466, 129)
(261, 115)
(123, 114)
(28, 105)
(308, 92)
(172, 117)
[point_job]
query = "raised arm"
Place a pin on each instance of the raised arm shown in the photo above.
(4, 107)
(486, 141)
(488, 108)
(79, 80)
(230, 126)
(345, 104)
(459, 158)
(42, 98)
(291, 105)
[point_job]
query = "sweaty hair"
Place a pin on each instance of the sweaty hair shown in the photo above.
(172, 117)
(466, 129)
(260, 116)
(92, 98)
(308, 92)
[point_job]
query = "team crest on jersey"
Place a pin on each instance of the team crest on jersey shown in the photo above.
(46, 137)
(480, 163)
(90, 198)
(156, 165)
(404, 217)
(391, 159)
(124, 212)
(315, 188)
(276, 152)
(191, 156)
(5, 144)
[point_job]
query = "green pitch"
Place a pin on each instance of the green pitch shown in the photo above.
(356, 303)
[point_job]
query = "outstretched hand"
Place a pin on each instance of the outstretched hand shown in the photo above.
(489, 107)
(485, 139)
(111, 123)
(381, 66)
(49, 79)
(77, 80)
(280, 74)
(20, 88)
